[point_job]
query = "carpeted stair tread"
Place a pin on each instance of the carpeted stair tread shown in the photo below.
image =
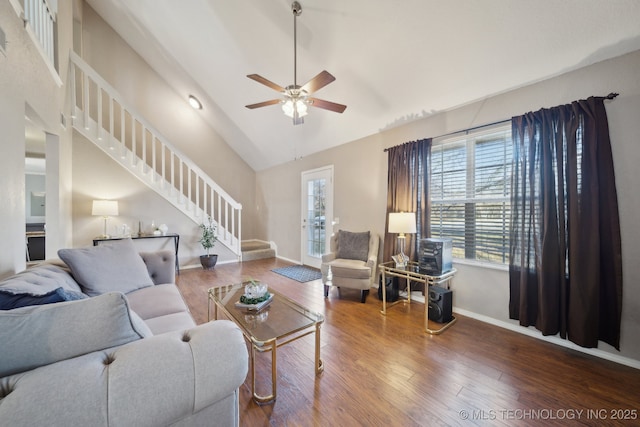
(253, 245)
(256, 249)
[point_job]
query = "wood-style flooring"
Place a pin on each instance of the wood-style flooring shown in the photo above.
(385, 371)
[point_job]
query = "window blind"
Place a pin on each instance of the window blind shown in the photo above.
(470, 193)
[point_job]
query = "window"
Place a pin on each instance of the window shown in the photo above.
(470, 193)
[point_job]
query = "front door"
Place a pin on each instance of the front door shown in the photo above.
(317, 212)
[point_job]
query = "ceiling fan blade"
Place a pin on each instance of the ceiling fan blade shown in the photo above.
(266, 82)
(318, 82)
(263, 104)
(327, 105)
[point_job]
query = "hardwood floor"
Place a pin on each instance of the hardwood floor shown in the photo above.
(385, 371)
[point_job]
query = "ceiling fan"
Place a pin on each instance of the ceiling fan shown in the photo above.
(295, 99)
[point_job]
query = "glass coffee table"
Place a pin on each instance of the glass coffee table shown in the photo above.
(276, 324)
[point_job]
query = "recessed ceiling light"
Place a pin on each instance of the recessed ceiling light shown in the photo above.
(193, 101)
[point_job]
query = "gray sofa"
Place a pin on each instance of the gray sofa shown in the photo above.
(100, 349)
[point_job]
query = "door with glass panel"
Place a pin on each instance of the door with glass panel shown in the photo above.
(317, 212)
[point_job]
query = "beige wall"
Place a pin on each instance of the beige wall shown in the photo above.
(361, 171)
(28, 88)
(106, 179)
(170, 113)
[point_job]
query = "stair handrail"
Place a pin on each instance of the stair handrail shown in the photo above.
(167, 164)
(86, 68)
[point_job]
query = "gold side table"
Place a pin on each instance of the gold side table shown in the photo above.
(412, 273)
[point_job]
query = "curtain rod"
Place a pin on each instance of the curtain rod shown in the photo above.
(465, 130)
(612, 95)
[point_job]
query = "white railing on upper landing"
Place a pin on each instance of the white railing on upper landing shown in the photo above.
(102, 115)
(40, 17)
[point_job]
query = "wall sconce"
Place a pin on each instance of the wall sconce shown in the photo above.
(401, 223)
(105, 209)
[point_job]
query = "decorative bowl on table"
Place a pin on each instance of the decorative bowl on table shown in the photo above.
(256, 296)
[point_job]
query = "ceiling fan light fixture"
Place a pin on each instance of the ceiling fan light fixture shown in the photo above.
(296, 99)
(294, 108)
(195, 103)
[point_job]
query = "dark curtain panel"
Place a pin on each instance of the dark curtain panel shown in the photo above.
(565, 266)
(408, 191)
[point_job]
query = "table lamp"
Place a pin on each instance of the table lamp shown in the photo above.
(402, 223)
(105, 209)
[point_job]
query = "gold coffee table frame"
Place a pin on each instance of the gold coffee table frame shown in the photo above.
(412, 273)
(280, 322)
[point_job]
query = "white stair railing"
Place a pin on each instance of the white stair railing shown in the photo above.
(40, 18)
(103, 117)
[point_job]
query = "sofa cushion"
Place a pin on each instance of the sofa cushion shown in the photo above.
(113, 266)
(41, 335)
(10, 300)
(350, 268)
(353, 245)
(170, 322)
(157, 301)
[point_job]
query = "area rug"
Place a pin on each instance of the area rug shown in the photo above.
(301, 273)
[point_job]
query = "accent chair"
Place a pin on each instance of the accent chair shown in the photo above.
(352, 262)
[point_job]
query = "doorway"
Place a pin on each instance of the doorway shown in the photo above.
(35, 191)
(317, 214)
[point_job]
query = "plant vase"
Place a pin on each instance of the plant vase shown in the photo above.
(208, 261)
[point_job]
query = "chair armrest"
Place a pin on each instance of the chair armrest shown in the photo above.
(372, 261)
(374, 245)
(329, 257)
(198, 367)
(158, 380)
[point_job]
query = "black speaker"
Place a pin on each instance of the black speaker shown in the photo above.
(440, 300)
(392, 289)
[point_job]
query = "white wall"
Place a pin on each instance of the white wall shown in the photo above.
(361, 172)
(96, 176)
(27, 87)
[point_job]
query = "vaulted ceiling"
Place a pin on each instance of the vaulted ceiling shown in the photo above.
(394, 61)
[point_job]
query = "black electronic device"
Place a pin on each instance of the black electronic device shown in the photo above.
(434, 256)
(392, 289)
(440, 304)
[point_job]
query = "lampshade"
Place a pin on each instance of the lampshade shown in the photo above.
(402, 222)
(105, 208)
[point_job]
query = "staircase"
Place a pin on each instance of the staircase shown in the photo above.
(256, 249)
(104, 118)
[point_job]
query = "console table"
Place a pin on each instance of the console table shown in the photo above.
(412, 273)
(174, 236)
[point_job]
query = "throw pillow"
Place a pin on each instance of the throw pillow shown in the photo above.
(112, 266)
(353, 245)
(9, 301)
(41, 335)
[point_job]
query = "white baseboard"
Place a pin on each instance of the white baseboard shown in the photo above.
(192, 266)
(289, 260)
(534, 333)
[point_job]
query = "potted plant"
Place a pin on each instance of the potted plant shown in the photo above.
(208, 240)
